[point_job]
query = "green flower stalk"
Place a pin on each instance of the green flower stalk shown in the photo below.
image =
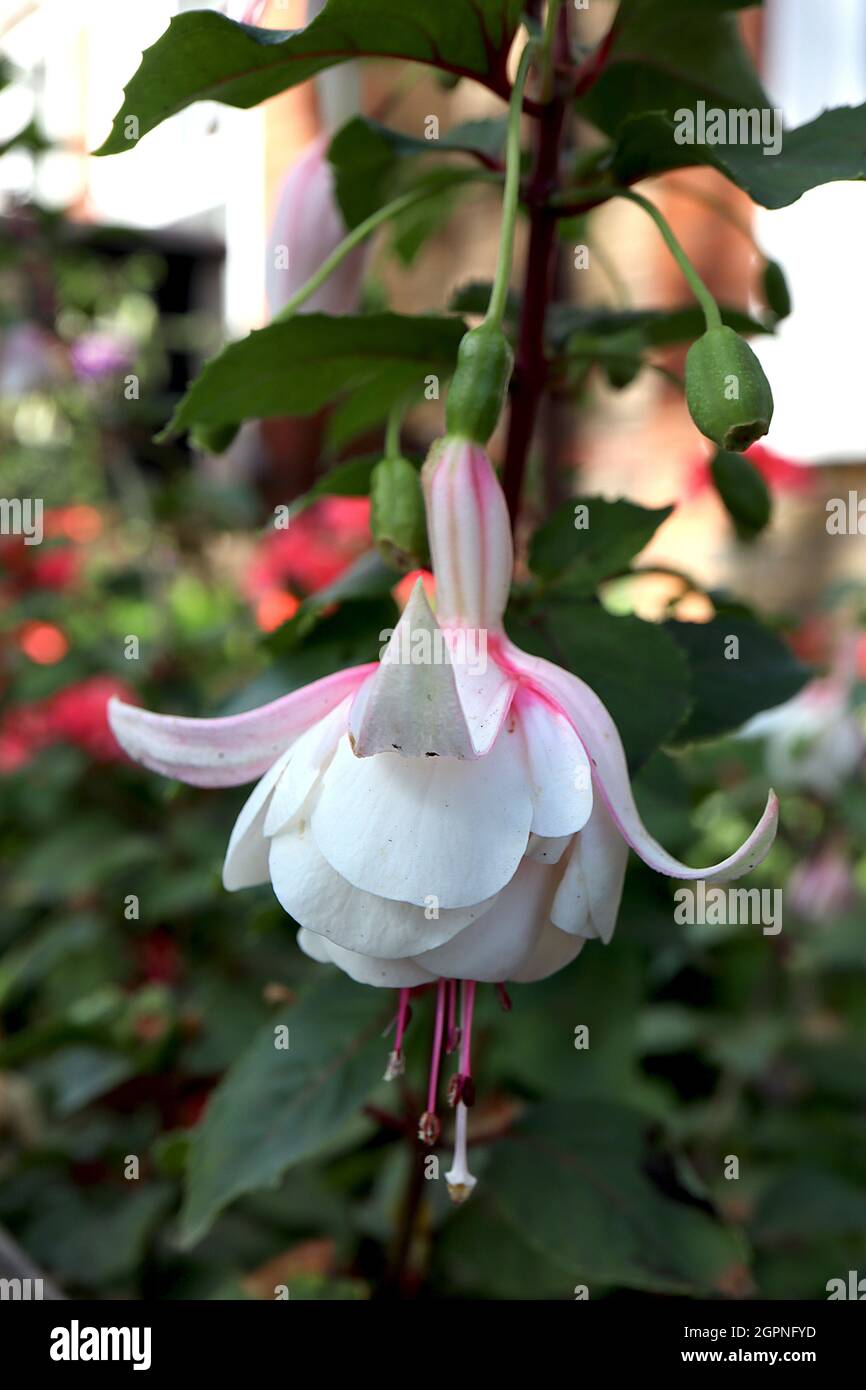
(485, 360)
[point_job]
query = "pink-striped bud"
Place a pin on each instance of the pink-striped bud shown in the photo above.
(470, 535)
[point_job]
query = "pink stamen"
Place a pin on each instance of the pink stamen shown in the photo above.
(396, 1063)
(428, 1125)
(504, 998)
(466, 1027)
(438, 1030)
(453, 1037)
(461, 1087)
(404, 1014)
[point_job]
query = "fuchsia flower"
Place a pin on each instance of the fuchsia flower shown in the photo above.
(458, 811)
(822, 887)
(307, 227)
(815, 741)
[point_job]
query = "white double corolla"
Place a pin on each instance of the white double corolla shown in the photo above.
(458, 811)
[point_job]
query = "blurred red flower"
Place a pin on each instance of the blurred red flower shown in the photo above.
(55, 565)
(27, 567)
(311, 553)
(44, 643)
(75, 715)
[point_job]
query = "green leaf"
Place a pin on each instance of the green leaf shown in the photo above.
(617, 657)
(367, 156)
(203, 56)
(830, 148)
(776, 292)
(580, 558)
(571, 1197)
(276, 1106)
(78, 1074)
(743, 491)
(670, 54)
(298, 366)
(602, 992)
(349, 479)
(646, 328)
(807, 1202)
(95, 1237)
(653, 327)
(728, 691)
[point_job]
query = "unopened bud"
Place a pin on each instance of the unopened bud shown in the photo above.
(477, 394)
(728, 395)
(397, 515)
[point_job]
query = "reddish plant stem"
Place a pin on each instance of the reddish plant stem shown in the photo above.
(530, 369)
(530, 366)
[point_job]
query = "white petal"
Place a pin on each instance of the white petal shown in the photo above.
(246, 861)
(547, 850)
(553, 951)
(366, 970)
(570, 911)
(600, 737)
(485, 690)
(307, 758)
(320, 899)
(603, 858)
(558, 767)
(314, 946)
(501, 942)
(412, 828)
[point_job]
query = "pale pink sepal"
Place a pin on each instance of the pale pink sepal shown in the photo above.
(437, 693)
(412, 706)
(601, 739)
(227, 752)
(470, 535)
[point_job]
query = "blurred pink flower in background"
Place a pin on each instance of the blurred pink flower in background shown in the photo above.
(815, 742)
(31, 359)
(822, 886)
(307, 227)
(100, 354)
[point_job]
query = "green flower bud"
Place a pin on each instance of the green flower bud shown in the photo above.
(477, 394)
(397, 516)
(212, 439)
(728, 396)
